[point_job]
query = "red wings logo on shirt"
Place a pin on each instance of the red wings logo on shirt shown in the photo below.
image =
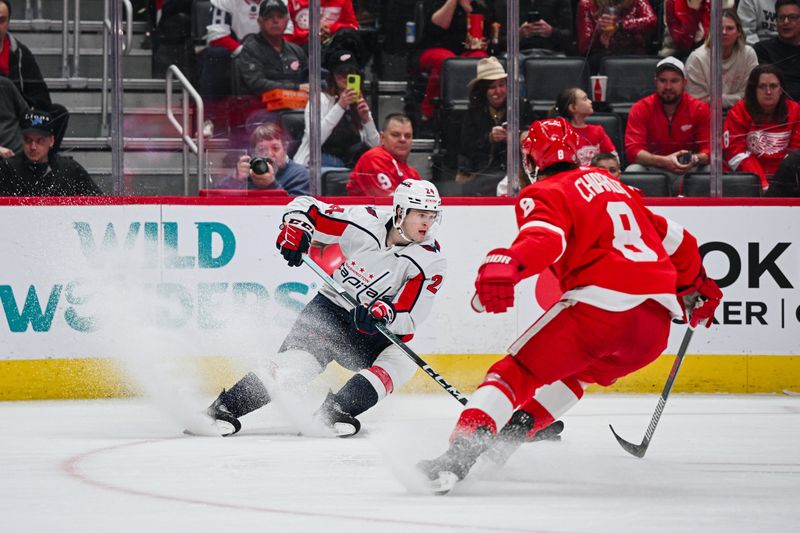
(760, 142)
(586, 153)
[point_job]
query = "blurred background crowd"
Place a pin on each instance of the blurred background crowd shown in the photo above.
(408, 89)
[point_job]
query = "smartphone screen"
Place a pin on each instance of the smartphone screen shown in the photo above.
(534, 16)
(354, 83)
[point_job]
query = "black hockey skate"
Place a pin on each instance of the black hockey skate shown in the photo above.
(515, 433)
(453, 465)
(339, 421)
(226, 423)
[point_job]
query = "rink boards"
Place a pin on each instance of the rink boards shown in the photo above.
(96, 295)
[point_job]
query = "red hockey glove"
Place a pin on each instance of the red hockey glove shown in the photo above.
(497, 276)
(701, 300)
(294, 239)
(366, 316)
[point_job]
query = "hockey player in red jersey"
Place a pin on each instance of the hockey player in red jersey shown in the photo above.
(393, 266)
(619, 266)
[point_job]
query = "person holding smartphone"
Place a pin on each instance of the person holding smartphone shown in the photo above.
(545, 26)
(668, 131)
(348, 129)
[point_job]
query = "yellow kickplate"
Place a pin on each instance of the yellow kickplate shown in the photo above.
(41, 379)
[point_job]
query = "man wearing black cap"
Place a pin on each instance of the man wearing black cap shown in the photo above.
(267, 60)
(38, 172)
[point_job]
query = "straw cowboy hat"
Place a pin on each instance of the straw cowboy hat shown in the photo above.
(489, 68)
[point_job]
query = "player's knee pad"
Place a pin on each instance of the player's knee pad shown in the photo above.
(513, 379)
(289, 370)
(391, 370)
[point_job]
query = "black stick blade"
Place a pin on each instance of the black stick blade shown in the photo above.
(637, 450)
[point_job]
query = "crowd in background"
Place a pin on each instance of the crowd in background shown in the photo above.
(254, 53)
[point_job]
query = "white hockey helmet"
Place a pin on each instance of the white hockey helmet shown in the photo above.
(415, 194)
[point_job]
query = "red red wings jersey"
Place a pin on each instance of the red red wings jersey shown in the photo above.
(768, 142)
(378, 173)
(336, 14)
(604, 246)
(593, 140)
(410, 276)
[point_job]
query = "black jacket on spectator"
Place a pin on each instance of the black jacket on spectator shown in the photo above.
(477, 154)
(261, 68)
(12, 107)
(784, 56)
(557, 13)
(452, 38)
(25, 73)
(60, 176)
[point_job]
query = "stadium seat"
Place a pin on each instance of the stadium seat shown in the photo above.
(546, 77)
(650, 183)
(456, 73)
(334, 182)
(734, 184)
(452, 105)
(630, 78)
(293, 123)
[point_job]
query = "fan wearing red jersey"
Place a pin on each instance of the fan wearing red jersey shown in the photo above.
(620, 268)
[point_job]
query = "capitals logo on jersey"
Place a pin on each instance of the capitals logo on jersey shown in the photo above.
(361, 279)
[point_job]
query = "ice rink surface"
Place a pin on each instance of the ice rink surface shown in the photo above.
(716, 463)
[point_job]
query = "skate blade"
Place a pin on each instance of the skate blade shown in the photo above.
(443, 484)
(210, 428)
(343, 430)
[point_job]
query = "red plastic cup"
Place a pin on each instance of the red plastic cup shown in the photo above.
(475, 26)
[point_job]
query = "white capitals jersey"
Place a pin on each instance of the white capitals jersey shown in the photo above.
(408, 276)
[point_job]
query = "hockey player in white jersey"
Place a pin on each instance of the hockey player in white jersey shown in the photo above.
(393, 267)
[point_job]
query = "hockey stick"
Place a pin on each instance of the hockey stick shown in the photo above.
(394, 339)
(639, 450)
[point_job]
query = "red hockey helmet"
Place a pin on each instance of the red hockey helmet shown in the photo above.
(551, 141)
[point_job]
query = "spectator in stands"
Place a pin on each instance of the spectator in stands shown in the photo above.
(686, 27)
(687, 22)
(18, 64)
(231, 21)
(267, 60)
(607, 27)
(546, 26)
(381, 169)
(12, 108)
(348, 129)
(784, 50)
(38, 171)
(268, 141)
(738, 59)
(171, 37)
(335, 15)
(608, 161)
(446, 36)
(764, 128)
(574, 105)
(482, 150)
(758, 19)
(668, 131)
